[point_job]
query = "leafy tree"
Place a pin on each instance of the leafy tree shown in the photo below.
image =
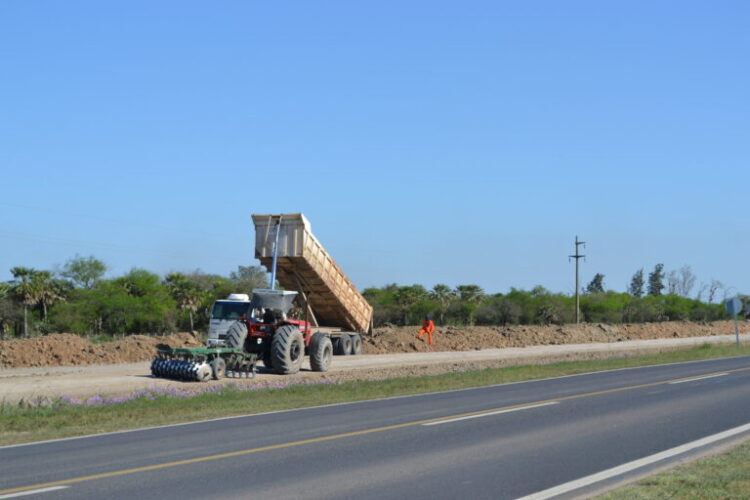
(443, 295)
(8, 312)
(25, 291)
(408, 296)
(498, 310)
(84, 272)
(636, 284)
(655, 280)
(247, 278)
(382, 300)
(596, 285)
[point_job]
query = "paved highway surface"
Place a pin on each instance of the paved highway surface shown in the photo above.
(553, 437)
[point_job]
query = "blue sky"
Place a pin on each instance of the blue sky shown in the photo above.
(456, 142)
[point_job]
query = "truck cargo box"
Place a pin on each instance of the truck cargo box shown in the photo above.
(304, 265)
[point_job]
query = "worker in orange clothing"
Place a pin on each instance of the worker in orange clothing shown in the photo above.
(428, 326)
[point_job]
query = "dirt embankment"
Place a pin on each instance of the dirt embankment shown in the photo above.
(403, 339)
(68, 349)
(64, 349)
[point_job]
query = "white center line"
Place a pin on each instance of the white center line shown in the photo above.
(490, 413)
(635, 464)
(698, 378)
(33, 492)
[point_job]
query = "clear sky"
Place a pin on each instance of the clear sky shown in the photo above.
(456, 142)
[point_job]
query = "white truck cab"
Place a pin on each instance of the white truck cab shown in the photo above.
(225, 312)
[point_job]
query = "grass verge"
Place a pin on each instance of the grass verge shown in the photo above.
(725, 476)
(62, 417)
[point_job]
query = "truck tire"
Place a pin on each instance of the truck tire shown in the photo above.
(236, 335)
(356, 344)
(344, 345)
(321, 352)
(287, 350)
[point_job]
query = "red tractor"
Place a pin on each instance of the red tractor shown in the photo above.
(281, 342)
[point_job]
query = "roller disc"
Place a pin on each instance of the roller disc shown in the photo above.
(203, 372)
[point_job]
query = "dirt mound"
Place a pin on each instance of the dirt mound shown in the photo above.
(403, 339)
(69, 349)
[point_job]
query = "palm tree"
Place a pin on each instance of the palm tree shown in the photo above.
(49, 291)
(24, 289)
(186, 293)
(443, 295)
(472, 295)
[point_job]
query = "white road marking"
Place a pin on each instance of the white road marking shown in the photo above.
(490, 413)
(33, 492)
(635, 464)
(698, 378)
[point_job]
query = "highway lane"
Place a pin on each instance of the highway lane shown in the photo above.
(496, 442)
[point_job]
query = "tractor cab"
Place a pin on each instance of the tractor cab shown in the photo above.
(272, 307)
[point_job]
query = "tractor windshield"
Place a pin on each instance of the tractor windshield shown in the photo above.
(229, 310)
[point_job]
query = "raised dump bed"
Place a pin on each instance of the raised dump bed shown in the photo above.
(304, 265)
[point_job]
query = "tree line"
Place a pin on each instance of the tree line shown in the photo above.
(78, 299)
(662, 296)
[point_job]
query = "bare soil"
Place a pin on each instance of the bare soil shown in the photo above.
(450, 338)
(66, 349)
(66, 364)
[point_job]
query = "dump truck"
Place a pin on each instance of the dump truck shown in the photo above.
(243, 331)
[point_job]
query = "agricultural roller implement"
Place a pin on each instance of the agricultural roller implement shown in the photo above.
(201, 364)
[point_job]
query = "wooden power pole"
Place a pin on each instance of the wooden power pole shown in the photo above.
(577, 256)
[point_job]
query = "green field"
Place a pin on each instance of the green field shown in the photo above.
(63, 417)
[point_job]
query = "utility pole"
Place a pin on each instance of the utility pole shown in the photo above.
(577, 257)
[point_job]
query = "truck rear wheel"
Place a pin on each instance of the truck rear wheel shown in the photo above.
(287, 350)
(321, 351)
(356, 343)
(236, 335)
(344, 345)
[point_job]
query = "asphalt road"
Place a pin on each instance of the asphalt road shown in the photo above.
(504, 441)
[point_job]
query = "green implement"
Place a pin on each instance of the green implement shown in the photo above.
(202, 363)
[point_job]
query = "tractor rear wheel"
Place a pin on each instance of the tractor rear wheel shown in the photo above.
(356, 344)
(321, 352)
(287, 350)
(344, 345)
(236, 335)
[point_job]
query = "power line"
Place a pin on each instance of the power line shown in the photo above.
(577, 256)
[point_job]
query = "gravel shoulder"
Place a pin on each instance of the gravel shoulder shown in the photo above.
(29, 383)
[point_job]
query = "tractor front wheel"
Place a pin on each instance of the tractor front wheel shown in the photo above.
(236, 335)
(287, 350)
